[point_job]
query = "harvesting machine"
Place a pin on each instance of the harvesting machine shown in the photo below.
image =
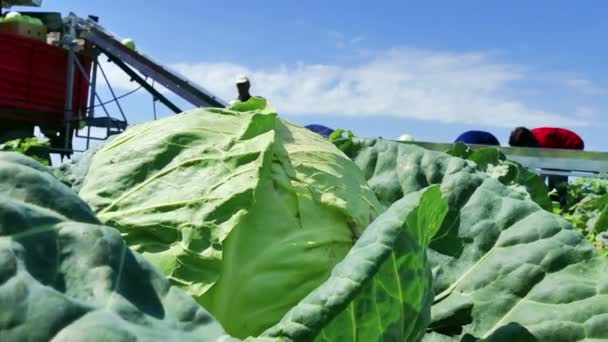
(49, 73)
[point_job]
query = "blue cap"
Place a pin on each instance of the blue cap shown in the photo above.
(320, 129)
(478, 138)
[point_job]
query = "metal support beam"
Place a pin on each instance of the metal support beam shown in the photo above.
(170, 79)
(122, 113)
(84, 74)
(93, 89)
(135, 77)
(70, 42)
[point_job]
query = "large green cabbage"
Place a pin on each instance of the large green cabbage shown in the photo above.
(246, 212)
(504, 269)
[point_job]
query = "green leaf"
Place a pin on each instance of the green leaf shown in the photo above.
(65, 277)
(345, 144)
(460, 150)
(33, 147)
(535, 185)
(505, 269)
(585, 207)
(485, 157)
(601, 225)
(25, 179)
(73, 171)
(381, 290)
(491, 161)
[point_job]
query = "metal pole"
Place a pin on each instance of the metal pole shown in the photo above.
(101, 103)
(93, 86)
(69, 98)
(134, 76)
(91, 113)
(103, 73)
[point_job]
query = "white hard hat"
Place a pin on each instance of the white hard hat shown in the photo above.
(406, 137)
(241, 79)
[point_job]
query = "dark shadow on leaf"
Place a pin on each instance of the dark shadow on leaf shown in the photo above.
(42, 257)
(452, 324)
(511, 332)
(447, 241)
(135, 286)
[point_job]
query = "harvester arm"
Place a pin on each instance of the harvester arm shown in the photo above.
(113, 47)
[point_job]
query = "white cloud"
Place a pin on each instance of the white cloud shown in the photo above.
(409, 83)
(585, 87)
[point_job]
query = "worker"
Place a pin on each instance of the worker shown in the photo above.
(320, 129)
(243, 87)
(406, 137)
(522, 137)
(548, 137)
(478, 138)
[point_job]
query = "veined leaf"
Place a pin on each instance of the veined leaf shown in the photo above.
(65, 277)
(493, 162)
(504, 269)
(381, 291)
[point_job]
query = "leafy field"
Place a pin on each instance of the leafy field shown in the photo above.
(233, 224)
(587, 209)
(585, 204)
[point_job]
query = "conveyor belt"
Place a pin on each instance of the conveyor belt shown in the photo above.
(112, 46)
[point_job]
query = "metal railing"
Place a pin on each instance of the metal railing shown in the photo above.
(544, 161)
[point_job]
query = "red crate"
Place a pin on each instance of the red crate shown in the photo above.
(33, 81)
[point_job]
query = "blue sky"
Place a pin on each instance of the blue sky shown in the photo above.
(383, 68)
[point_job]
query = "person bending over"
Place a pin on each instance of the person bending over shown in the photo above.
(548, 137)
(320, 129)
(478, 138)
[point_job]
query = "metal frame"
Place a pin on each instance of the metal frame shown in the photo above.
(170, 79)
(544, 161)
(96, 95)
(91, 109)
(103, 73)
(69, 41)
(125, 58)
(135, 77)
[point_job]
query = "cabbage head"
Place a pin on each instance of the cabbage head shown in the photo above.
(128, 42)
(12, 16)
(246, 212)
